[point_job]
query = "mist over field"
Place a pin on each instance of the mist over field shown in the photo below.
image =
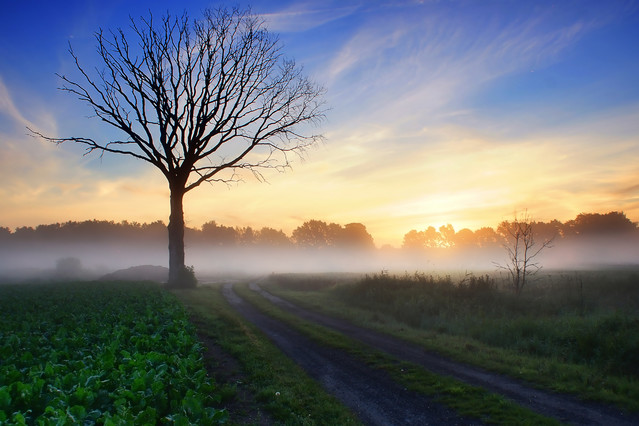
(90, 250)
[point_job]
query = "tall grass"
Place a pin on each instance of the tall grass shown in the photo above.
(586, 318)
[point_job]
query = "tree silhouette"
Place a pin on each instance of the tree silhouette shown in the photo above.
(612, 223)
(522, 249)
(486, 237)
(447, 235)
(272, 238)
(312, 234)
(355, 235)
(248, 236)
(199, 100)
(429, 238)
(5, 233)
(219, 235)
(414, 240)
(464, 238)
(318, 234)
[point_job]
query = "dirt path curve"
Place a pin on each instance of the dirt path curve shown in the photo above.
(371, 394)
(562, 407)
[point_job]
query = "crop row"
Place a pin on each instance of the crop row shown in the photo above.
(105, 353)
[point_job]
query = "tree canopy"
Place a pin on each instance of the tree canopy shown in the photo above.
(200, 100)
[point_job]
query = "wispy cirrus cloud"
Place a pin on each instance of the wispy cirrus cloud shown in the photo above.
(304, 16)
(21, 156)
(39, 117)
(472, 176)
(417, 62)
(36, 173)
(9, 108)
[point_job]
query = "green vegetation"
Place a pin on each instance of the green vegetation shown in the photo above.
(470, 401)
(280, 387)
(570, 333)
(105, 353)
(115, 353)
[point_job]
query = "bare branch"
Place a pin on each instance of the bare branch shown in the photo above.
(201, 100)
(183, 91)
(522, 250)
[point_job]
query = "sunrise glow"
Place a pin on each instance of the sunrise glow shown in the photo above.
(440, 112)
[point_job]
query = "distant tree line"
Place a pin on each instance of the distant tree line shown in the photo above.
(90, 231)
(314, 234)
(585, 225)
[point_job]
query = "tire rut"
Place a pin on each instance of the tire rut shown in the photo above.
(371, 394)
(562, 407)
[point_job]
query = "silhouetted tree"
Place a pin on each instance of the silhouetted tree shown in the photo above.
(312, 234)
(414, 240)
(464, 238)
(522, 250)
(221, 235)
(5, 234)
(199, 101)
(355, 235)
(24, 234)
(486, 237)
(333, 234)
(595, 224)
(447, 235)
(432, 237)
(548, 230)
(319, 234)
(429, 238)
(272, 238)
(248, 236)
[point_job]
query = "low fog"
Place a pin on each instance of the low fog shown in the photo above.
(51, 261)
(93, 249)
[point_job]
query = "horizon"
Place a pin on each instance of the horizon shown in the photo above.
(94, 248)
(289, 233)
(442, 113)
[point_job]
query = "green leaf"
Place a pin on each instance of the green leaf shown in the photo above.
(19, 419)
(5, 397)
(78, 412)
(147, 416)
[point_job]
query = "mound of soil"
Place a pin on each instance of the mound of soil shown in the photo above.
(139, 273)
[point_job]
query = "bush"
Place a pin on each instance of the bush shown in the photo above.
(68, 268)
(188, 278)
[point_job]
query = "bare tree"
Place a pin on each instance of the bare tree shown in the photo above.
(522, 250)
(200, 100)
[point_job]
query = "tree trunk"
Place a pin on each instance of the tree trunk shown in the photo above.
(176, 237)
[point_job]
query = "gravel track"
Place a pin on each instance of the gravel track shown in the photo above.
(371, 394)
(564, 408)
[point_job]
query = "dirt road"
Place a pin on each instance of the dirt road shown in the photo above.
(564, 408)
(371, 394)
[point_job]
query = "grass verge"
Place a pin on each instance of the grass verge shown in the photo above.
(467, 400)
(281, 388)
(584, 380)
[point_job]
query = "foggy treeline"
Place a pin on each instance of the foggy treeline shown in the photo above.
(591, 239)
(613, 224)
(312, 234)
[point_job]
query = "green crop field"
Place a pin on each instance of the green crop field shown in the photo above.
(105, 353)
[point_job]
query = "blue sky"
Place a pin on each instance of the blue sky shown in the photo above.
(458, 112)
